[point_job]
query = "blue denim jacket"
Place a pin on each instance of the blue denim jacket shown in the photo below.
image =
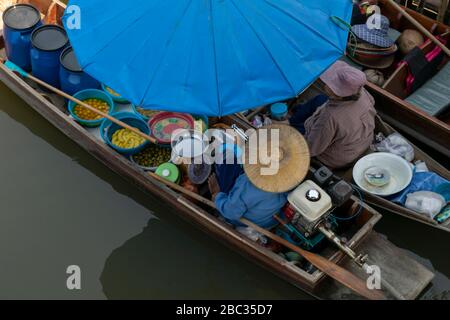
(245, 200)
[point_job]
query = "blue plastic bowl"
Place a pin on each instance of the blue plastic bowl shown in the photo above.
(119, 116)
(108, 129)
(91, 94)
(117, 99)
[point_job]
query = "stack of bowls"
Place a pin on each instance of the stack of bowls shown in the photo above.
(372, 56)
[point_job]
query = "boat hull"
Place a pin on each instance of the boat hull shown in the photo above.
(184, 208)
(54, 111)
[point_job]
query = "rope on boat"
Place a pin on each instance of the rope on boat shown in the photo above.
(347, 27)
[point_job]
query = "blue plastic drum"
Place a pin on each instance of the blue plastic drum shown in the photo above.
(71, 76)
(19, 22)
(47, 44)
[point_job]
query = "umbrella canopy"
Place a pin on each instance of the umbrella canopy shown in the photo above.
(211, 57)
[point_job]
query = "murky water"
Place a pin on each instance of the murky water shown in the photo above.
(60, 207)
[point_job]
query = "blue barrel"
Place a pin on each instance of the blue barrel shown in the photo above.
(71, 76)
(47, 44)
(19, 21)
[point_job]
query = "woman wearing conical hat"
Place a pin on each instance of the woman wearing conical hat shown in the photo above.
(258, 190)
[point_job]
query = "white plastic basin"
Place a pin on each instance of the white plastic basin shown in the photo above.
(400, 170)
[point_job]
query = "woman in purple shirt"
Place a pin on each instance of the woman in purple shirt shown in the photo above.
(338, 126)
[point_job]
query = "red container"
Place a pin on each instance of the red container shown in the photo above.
(164, 124)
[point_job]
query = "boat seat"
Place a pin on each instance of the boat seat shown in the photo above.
(434, 96)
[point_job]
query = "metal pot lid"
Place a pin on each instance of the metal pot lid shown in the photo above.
(21, 17)
(69, 60)
(49, 38)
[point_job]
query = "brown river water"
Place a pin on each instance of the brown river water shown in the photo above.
(60, 207)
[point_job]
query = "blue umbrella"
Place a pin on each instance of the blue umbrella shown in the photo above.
(211, 57)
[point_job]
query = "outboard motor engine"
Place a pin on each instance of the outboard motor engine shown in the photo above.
(309, 215)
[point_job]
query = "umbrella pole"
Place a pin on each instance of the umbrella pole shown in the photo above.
(334, 271)
(15, 68)
(419, 26)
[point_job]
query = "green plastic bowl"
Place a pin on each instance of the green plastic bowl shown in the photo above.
(91, 94)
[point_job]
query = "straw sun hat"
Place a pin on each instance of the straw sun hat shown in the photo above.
(292, 153)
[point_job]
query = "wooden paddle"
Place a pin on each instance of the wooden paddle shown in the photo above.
(20, 71)
(419, 26)
(329, 268)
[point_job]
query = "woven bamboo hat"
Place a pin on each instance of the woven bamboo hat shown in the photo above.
(290, 156)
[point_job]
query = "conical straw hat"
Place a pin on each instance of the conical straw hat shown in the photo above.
(291, 150)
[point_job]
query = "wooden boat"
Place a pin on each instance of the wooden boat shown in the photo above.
(386, 130)
(381, 202)
(433, 131)
(408, 276)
